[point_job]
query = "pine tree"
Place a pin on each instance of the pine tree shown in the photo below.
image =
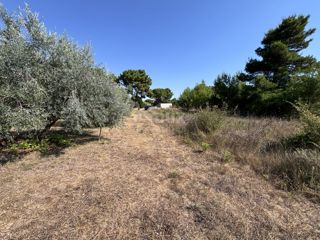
(282, 74)
(280, 53)
(137, 83)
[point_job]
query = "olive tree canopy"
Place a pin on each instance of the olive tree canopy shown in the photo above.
(45, 77)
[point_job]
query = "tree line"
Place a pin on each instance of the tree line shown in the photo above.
(270, 84)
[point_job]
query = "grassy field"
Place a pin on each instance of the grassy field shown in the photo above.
(142, 181)
(268, 145)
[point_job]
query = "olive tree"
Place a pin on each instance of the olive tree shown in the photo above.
(45, 77)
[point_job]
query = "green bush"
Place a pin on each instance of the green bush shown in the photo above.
(311, 122)
(203, 123)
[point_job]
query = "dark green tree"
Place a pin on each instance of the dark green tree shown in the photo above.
(137, 83)
(281, 65)
(281, 52)
(202, 95)
(175, 102)
(185, 99)
(162, 95)
(228, 90)
(198, 97)
(306, 89)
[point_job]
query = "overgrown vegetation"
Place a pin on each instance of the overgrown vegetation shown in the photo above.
(266, 144)
(299, 170)
(202, 124)
(43, 145)
(141, 183)
(167, 114)
(45, 77)
(282, 82)
(311, 121)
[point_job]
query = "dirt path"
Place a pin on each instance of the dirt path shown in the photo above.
(144, 184)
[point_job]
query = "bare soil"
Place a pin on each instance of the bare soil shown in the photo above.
(143, 183)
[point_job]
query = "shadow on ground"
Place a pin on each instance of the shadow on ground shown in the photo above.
(53, 148)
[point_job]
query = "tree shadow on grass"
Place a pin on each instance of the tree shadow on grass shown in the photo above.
(53, 144)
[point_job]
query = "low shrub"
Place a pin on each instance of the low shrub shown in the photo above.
(311, 122)
(227, 156)
(309, 136)
(203, 124)
(298, 170)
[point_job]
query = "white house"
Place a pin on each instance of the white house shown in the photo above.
(165, 105)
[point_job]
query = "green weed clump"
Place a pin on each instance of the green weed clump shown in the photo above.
(309, 136)
(311, 122)
(60, 140)
(54, 140)
(30, 144)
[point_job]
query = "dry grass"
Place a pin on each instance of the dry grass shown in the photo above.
(265, 144)
(145, 184)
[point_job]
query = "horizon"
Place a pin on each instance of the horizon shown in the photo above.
(178, 43)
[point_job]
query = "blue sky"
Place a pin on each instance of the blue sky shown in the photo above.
(178, 42)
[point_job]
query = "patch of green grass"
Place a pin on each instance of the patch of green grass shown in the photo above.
(29, 144)
(53, 140)
(59, 140)
(205, 146)
(227, 156)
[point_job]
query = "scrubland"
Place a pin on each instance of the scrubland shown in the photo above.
(146, 180)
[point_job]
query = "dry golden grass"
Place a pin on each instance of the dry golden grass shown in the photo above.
(144, 184)
(264, 145)
(273, 147)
